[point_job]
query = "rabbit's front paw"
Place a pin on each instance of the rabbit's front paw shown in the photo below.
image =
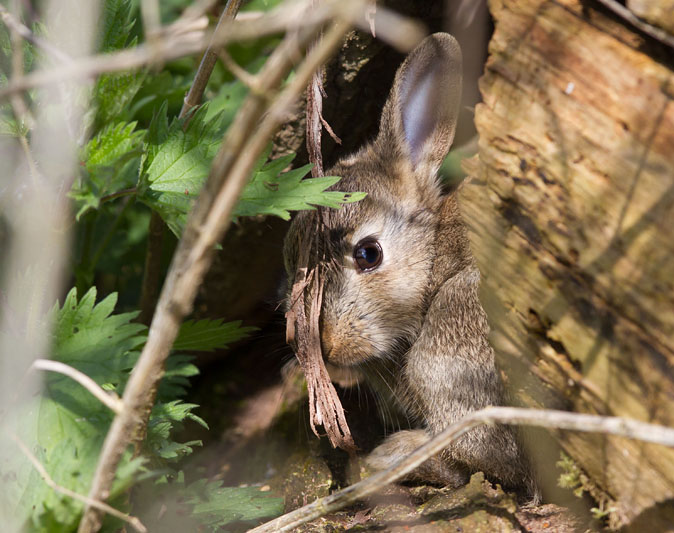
(436, 470)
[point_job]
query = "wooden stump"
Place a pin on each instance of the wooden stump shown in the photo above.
(570, 207)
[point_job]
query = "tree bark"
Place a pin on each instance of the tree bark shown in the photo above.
(570, 208)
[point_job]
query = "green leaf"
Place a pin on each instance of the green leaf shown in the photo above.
(64, 425)
(271, 193)
(177, 163)
(216, 506)
(208, 335)
(110, 164)
(166, 418)
(114, 92)
(117, 21)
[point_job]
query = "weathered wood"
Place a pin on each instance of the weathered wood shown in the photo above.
(657, 12)
(571, 214)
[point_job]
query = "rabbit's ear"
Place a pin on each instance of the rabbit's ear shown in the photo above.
(419, 117)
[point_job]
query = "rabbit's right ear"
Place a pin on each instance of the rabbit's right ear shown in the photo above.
(419, 117)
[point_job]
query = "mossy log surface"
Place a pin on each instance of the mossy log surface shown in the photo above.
(570, 207)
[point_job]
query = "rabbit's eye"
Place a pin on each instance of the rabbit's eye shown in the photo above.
(367, 255)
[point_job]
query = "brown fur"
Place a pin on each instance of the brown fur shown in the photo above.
(414, 326)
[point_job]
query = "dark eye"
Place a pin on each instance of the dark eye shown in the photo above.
(367, 255)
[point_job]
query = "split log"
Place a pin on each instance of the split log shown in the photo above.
(570, 208)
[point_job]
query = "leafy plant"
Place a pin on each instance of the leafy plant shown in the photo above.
(64, 425)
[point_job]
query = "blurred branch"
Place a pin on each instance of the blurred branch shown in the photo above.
(104, 507)
(14, 25)
(110, 400)
(176, 42)
(196, 92)
(624, 13)
(206, 225)
(610, 425)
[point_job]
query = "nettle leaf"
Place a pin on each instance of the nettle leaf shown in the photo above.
(117, 22)
(208, 335)
(271, 192)
(64, 425)
(177, 163)
(113, 92)
(215, 506)
(165, 419)
(109, 165)
(208, 506)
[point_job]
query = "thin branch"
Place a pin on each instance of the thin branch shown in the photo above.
(391, 27)
(16, 26)
(240, 73)
(206, 225)
(109, 399)
(612, 425)
(131, 520)
(624, 13)
(196, 92)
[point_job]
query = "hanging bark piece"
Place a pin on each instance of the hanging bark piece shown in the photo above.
(303, 335)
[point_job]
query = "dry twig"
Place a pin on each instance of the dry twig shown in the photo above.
(110, 400)
(16, 26)
(196, 92)
(207, 223)
(610, 425)
(650, 30)
(392, 28)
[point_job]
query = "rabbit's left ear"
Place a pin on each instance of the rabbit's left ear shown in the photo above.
(419, 117)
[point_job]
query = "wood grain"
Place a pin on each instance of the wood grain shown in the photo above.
(571, 213)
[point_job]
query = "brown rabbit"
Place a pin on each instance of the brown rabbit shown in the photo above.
(400, 298)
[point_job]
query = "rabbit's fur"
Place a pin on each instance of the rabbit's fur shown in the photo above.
(414, 325)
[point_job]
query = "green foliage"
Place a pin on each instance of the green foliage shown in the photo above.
(113, 92)
(271, 192)
(207, 335)
(177, 162)
(110, 161)
(571, 477)
(65, 425)
(208, 506)
(216, 506)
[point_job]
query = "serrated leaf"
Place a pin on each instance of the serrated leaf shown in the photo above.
(177, 163)
(116, 24)
(64, 424)
(208, 335)
(270, 193)
(108, 162)
(216, 506)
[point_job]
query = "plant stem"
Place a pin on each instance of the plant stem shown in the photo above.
(152, 270)
(196, 92)
(108, 236)
(118, 194)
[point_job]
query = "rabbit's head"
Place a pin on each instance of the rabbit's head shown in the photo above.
(378, 254)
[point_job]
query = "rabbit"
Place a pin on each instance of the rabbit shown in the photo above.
(400, 295)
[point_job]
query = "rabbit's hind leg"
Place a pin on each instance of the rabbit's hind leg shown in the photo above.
(436, 470)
